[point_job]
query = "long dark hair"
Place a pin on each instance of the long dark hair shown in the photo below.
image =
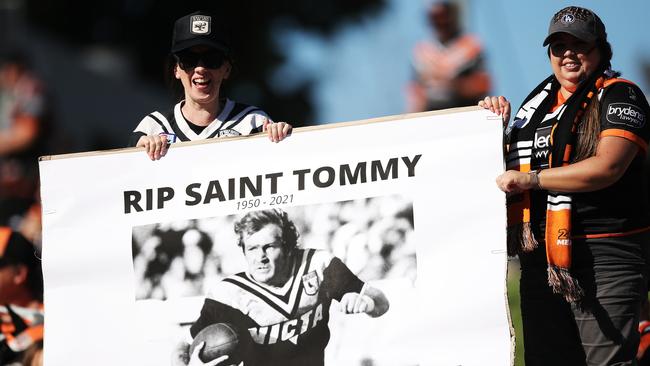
(589, 130)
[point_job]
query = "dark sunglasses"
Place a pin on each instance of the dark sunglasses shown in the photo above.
(188, 60)
(559, 48)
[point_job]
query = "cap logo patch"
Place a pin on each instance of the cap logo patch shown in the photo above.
(200, 24)
(569, 14)
(568, 18)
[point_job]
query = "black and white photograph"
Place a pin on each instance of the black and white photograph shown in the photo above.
(302, 285)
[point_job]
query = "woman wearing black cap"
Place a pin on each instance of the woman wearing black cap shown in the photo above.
(578, 215)
(202, 61)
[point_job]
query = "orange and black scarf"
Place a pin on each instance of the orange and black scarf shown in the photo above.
(519, 136)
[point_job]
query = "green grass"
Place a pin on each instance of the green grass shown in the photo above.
(515, 312)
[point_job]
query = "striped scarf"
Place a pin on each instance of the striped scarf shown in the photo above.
(519, 140)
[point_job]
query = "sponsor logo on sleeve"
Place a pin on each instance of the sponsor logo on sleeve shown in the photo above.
(626, 114)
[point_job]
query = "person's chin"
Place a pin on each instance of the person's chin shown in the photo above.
(262, 275)
(574, 76)
(570, 82)
(203, 96)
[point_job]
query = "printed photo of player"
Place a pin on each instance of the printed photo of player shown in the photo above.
(283, 298)
(281, 280)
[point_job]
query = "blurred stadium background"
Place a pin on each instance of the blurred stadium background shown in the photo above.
(303, 61)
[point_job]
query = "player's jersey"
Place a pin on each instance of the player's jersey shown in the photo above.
(235, 119)
(622, 207)
(19, 329)
(288, 325)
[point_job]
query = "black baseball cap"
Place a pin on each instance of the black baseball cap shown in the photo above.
(15, 249)
(579, 22)
(200, 28)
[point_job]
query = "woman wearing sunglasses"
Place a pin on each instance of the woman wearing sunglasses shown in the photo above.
(201, 55)
(578, 215)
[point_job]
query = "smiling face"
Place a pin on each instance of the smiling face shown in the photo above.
(269, 262)
(572, 61)
(201, 83)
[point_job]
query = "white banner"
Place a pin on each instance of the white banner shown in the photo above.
(408, 203)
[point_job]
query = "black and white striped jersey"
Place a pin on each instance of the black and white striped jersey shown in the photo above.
(235, 119)
(289, 325)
